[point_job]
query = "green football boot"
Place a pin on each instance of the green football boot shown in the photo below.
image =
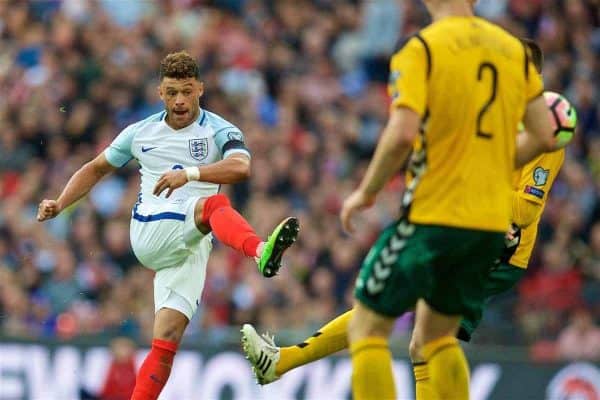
(278, 242)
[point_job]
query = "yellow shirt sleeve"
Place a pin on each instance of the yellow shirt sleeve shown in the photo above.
(537, 177)
(408, 76)
(524, 211)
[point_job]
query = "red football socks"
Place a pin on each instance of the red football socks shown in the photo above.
(155, 370)
(229, 226)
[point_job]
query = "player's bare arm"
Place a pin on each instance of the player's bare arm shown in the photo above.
(538, 137)
(78, 186)
(233, 169)
(392, 151)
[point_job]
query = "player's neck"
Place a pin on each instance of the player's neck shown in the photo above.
(451, 9)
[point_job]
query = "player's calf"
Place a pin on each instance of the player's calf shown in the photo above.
(215, 213)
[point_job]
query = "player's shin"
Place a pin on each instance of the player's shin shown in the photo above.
(330, 339)
(447, 368)
(155, 370)
(423, 387)
(372, 376)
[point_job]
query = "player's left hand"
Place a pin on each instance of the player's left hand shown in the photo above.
(357, 201)
(170, 181)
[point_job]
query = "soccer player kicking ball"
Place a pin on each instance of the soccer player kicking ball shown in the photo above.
(531, 186)
(185, 153)
(461, 86)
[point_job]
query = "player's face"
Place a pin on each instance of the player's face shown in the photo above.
(182, 100)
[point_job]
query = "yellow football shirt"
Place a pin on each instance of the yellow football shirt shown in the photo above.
(470, 82)
(531, 185)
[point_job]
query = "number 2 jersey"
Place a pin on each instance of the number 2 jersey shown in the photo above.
(470, 82)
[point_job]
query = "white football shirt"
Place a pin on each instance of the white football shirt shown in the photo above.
(159, 148)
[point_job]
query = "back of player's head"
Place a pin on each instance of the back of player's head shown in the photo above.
(537, 57)
(179, 65)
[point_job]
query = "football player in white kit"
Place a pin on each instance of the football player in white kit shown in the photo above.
(185, 153)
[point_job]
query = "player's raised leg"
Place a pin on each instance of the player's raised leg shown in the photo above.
(270, 362)
(502, 278)
(216, 214)
(368, 333)
(169, 326)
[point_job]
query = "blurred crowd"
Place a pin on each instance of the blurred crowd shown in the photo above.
(306, 82)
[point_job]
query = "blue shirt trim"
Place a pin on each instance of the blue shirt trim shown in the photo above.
(156, 217)
(202, 117)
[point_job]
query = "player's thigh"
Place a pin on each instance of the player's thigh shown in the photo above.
(193, 230)
(394, 273)
(180, 287)
(431, 324)
(367, 323)
(502, 278)
(460, 271)
(157, 235)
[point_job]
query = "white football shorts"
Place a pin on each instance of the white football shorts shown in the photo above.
(165, 239)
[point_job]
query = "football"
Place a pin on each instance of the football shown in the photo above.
(564, 118)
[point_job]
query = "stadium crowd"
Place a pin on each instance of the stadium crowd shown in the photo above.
(306, 82)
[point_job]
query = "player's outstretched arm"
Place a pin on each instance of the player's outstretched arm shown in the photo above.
(538, 137)
(78, 186)
(233, 169)
(392, 150)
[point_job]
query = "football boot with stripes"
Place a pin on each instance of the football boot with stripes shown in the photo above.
(262, 353)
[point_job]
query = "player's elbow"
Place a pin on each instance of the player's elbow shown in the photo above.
(99, 166)
(406, 138)
(404, 125)
(549, 143)
(546, 141)
(242, 170)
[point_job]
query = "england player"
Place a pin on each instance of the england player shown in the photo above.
(459, 89)
(531, 186)
(185, 153)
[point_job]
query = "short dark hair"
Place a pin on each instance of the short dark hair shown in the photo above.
(179, 65)
(537, 56)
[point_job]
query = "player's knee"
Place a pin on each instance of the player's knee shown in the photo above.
(216, 201)
(414, 349)
(205, 207)
(363, 325)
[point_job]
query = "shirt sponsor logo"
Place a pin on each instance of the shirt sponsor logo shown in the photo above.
(534, 191)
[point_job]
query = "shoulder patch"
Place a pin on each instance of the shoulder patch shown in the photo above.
(394, 76)
(235, 135)
(540, 176)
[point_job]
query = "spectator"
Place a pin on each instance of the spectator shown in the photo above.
(580, 340)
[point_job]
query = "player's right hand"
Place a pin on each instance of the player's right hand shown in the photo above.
(47, 209)
(357, 201)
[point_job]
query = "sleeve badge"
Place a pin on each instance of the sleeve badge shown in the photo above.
(540, 176)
